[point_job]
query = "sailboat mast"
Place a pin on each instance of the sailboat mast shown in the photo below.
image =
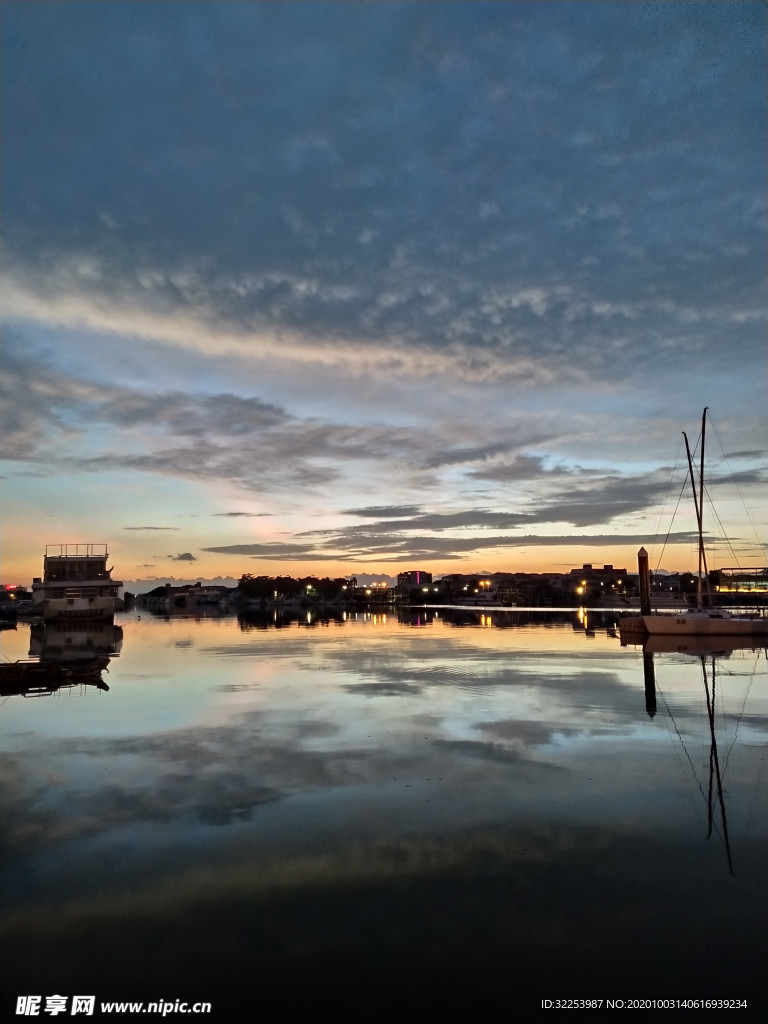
(698, 504)
(698, 516)
(701, 508)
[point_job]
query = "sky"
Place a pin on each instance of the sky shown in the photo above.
(353, 288)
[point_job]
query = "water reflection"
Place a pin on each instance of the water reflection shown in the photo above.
(376, 804)
(75, 644)
(44, 679)
(709, 652)
(590, 622)
(714, 763)
(62, 657)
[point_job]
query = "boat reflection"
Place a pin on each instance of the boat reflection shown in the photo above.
(696, 646)
(709, 651)
(75, 644)
(714, 762)
(63, 656)
(43, 679)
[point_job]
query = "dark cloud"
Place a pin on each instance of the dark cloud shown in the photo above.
(404, 178)
(40, 401)
(271, 549)
(464, 455)
(150, 527)
(755, 453)
(251, 468)
(218, 436)
(285, 452)
(403, 547)
(188, 415)
(247, 515)
(393, 511)
(186, 556)
(518, 468)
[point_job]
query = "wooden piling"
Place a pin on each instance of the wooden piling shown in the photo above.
(644, 579)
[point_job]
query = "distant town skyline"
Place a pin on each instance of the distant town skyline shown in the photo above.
(347, 289)
(145, 585)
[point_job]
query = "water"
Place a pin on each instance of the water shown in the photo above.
(371, 817)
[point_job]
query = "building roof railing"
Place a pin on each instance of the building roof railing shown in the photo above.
(76, 551)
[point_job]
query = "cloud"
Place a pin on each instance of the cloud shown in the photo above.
(252, 515)
(186, 556)
(185, 415)
(274, 550)
(162, 433)
(424, 204)
(382, 510)
(150, 527)
(403, 547)
(38, 400)
(463, 276)
(755, 453)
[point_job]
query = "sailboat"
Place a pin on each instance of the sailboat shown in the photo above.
(703, 620)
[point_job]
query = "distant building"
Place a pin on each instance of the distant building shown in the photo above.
(186, 595)
(592, 574)
(591, 581)
(738, 580)
(14, 596)
(413, 579)
(590, 571)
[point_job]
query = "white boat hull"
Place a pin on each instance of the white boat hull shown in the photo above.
(704, 624)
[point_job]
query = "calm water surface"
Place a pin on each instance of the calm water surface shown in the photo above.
(370, 817)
